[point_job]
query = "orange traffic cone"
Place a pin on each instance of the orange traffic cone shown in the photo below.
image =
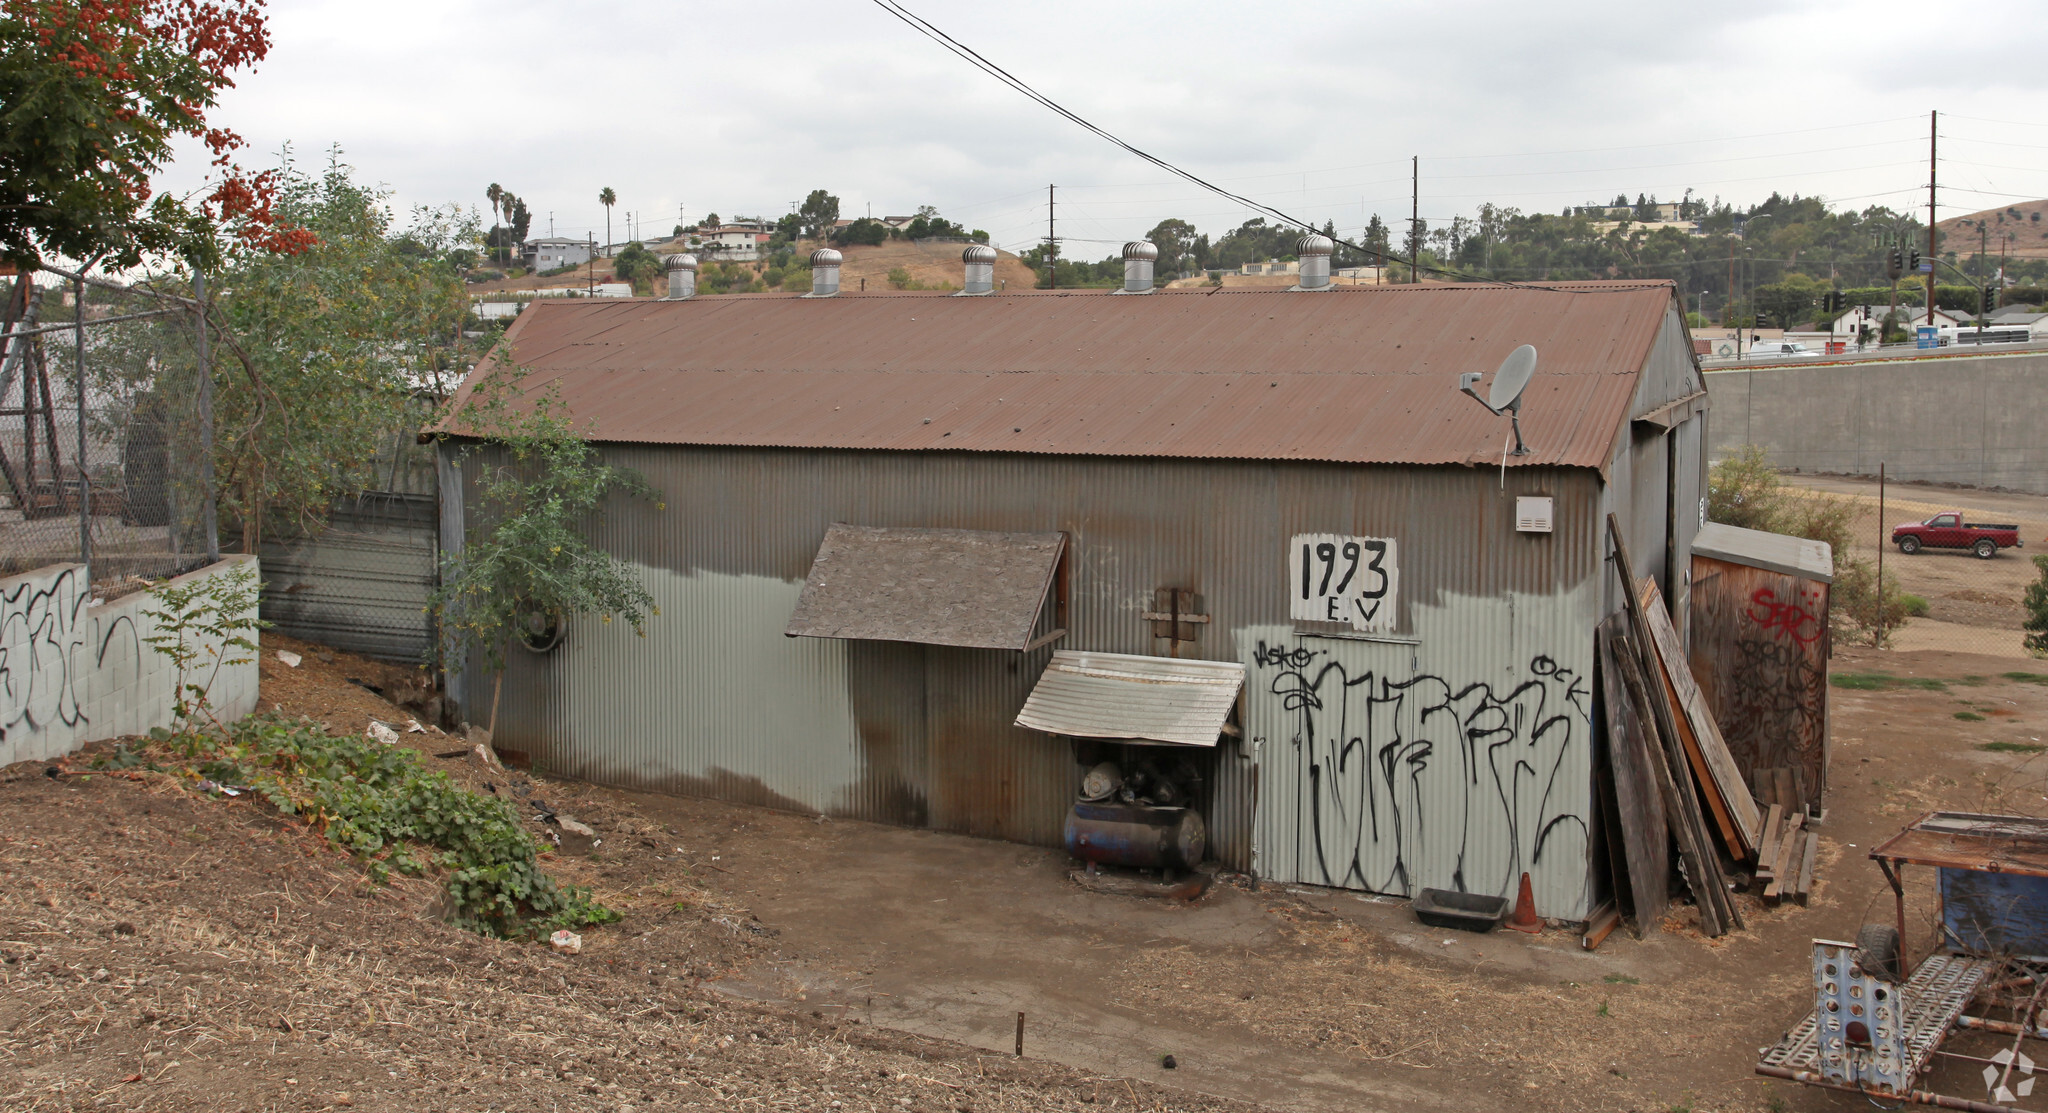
(1525, 918)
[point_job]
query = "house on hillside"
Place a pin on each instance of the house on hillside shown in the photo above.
(730, 242)
(924, 559)
(545, 253)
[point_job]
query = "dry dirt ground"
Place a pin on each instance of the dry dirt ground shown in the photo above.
(166, 950)
(1973, 605)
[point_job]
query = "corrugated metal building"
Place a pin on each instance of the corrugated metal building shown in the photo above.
(1289, 482)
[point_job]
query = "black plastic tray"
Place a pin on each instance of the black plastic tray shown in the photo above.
(1463, 911)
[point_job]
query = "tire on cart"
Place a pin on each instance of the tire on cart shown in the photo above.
(1877, 952)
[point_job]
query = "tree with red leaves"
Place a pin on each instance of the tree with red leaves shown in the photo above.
(93, 96)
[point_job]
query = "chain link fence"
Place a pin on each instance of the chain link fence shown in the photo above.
(89, 476)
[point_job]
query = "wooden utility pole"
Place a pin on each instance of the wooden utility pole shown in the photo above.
(1052, 249)
(1932, 119)
(1415, 219)
(1983, 279)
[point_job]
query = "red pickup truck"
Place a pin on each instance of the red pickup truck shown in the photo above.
(1947, 530)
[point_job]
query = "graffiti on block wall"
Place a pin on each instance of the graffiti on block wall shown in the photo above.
(1425, 780)
(49, 642)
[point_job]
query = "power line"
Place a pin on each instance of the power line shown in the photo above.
(974, 58)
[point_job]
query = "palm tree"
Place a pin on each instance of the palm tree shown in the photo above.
(607, 198)
(496, 194)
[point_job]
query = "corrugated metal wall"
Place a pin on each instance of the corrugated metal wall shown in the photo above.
(716, 701)
(363, 583)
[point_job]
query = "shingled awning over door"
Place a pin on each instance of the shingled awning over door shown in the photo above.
(962, 587)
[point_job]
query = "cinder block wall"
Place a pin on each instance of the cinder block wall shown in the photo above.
(72, 672)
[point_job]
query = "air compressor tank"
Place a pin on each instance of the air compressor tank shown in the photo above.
(1136, 835)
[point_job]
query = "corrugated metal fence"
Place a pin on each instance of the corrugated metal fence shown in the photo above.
(363, 583)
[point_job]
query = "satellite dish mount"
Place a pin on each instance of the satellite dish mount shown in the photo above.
(1505, 395)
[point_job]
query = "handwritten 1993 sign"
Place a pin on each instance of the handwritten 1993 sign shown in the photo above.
(1333, 578)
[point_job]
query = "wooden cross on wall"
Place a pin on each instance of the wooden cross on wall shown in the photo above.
(1176, 617)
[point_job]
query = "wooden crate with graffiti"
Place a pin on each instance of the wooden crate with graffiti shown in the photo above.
(1759, 652)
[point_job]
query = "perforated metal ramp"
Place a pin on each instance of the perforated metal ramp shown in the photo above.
(1938, 992)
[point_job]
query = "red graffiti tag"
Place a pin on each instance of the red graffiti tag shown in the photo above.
(1789, 620)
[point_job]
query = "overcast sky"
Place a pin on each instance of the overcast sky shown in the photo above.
(742, 108)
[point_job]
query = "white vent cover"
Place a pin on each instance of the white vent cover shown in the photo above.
(1532, 514)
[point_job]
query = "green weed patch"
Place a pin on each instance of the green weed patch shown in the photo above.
(1969, 716)
(2026, 677)
(1884, 681)
(2012, 747)
(380, 804)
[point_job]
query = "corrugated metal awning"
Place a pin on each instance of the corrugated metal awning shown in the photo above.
(966, 587)
(1772, 552)
(1122, 695)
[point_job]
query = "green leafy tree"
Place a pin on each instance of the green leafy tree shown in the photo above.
(530, 566)
(818, 214)
(607, 198)
(1175, 239)
(94, 98)
(320, 358)
(638, 266)
(867, 231)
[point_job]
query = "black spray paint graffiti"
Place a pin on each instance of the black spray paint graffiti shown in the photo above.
(49, 643)
(1402, 784)
(1778, 701)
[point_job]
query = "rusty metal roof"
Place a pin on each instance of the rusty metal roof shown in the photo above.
(965, 587)
(1354, 374)
(1123, 695)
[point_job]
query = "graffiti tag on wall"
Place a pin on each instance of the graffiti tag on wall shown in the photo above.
(1777, 689)
(1402, 783)
(50, 643)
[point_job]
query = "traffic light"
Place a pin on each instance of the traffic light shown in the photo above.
(1894, 264)
(1913, 263)
(1984, 301)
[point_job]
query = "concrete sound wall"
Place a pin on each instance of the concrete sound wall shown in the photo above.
(1977, 420)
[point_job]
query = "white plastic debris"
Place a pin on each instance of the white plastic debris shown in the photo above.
(412, 726)
(291, 660)
(566, 943)
(378, 732)
(2025, 1087)
(2003, 1057)
(574, 827)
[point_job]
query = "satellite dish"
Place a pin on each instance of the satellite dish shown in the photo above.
(1512, 379)
(1505, 395)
